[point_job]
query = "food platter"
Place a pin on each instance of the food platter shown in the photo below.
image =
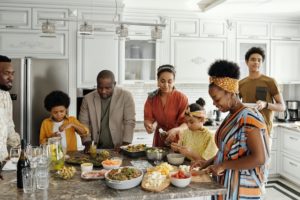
(94, 175)
(134, 151)
(77, 158)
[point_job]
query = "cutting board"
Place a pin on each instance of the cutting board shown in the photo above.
(160, 188)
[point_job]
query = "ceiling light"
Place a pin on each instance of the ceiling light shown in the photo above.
(48, 27)
(156, 33)
(122, 31)
(86, 29)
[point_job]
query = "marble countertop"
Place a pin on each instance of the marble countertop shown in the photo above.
(77, 188)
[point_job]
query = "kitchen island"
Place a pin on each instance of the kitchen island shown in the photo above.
(77, 188)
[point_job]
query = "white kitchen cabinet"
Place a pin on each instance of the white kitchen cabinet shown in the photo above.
(56, 13)
(95, 53)
(139, 58)
(193, 56)
(134, 30)
(213, 28)
(273, 170)
(285, 61)
(97, 19)
(15, 17)
(285, 31)
(253, 30)
(290, 168)
(289, 165)
(243, 45)
(17, 43)
(185, 27)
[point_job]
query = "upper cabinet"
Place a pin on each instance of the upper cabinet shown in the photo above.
(95, 53)
(193, 56)
(285, 31)
(253, 30)
(17, 43)
(185, 27)
(243, 45)
(15, 17)
(285, 61)
(212, 28)
(56, 13)
(134, 30)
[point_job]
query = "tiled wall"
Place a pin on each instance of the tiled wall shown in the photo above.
(193, 92)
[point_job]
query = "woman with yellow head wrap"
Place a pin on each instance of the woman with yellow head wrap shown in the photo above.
(242, 160)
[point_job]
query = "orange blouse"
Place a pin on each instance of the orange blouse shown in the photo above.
(167, 117)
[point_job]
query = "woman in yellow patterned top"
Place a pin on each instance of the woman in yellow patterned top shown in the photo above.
(196, 142)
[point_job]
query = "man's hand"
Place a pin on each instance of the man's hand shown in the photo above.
(87, 146)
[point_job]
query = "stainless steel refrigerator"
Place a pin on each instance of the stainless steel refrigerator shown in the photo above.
(33, 80)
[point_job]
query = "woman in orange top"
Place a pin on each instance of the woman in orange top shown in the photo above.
(59, 124)
(165, 106)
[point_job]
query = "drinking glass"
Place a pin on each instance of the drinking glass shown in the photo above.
(28, 178)
(33, 154)
(14, 155)
(42, 176)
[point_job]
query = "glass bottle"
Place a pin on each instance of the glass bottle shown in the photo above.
(23, 162)
(56, 151)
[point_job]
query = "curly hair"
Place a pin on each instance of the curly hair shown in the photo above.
(56, 98)
(224, 68)
(254, 50)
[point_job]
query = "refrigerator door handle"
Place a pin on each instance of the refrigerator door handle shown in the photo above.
(28, 65)
(22, 99)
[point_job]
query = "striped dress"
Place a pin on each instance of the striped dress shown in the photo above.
(232, 143)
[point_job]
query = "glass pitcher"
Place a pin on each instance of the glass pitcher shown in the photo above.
(56, 151)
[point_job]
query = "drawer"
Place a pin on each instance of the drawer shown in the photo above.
(291, 142)
(274, 144)
(290, 168)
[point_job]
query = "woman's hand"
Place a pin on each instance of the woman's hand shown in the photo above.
(261, 105)
(149, 127)
(198, 163)
(175, 146)
(217, 170)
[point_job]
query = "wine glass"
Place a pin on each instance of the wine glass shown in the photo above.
(14, 154)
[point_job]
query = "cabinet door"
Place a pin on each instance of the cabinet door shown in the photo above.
(243, 45)
(285, 58)
(291, 142)
(212, 28)
(273, 164)
(192, 57)
(15, 17)
(253, 30)
(140, 30)
(290, 168)
(285, 31)
(30, 43)
(94, 54)
(185, 27)
(49, 13)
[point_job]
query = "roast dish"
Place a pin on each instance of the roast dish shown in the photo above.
(77, 158)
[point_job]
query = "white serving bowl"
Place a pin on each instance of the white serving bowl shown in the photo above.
(175, 158)
(112, 166)
(180, 182)
(86, 167)
(126, 184)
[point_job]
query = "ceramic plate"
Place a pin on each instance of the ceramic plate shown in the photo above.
(94, 175)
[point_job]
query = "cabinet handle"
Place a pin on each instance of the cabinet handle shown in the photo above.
(253, 37)
(286, 38)
(10, 26)
(182, 34)
(293, 164)
(292, 138)
(211, 35)
(140, 33)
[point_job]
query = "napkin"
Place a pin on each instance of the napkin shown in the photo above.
(9, 166)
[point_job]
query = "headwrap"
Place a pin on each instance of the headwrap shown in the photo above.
(198, 113)
(226, 83)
